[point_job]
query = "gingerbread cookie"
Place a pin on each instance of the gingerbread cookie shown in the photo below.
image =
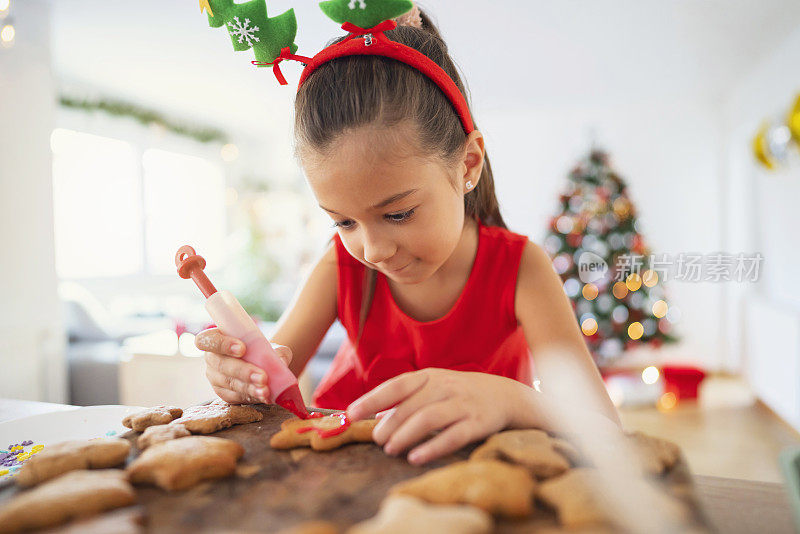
(181, 463)
(656, 455)
(128, 520)
(400, 514)
(491, 485)
(75, 494)
(541, 454)
(157, 415)
(159, 433)
(578, 499)
(322, 433)
(311, 527)
(573, 496)
(60, 458)
(215, 416)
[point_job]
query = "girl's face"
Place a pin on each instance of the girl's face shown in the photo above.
(395, 211)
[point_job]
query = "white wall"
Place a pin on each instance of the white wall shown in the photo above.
(31, 339)
(762, 215)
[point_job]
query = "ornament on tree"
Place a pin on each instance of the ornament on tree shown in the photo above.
(604, 263)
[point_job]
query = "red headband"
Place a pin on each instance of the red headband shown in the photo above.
(375, 43)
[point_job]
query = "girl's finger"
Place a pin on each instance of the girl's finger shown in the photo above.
(387, 426)
(212, 340)
(244, 389)
(387, 395)
(243, 371)
(445, 442)
(384, 413)
(421, 423)
(284, 352)
(233, 397)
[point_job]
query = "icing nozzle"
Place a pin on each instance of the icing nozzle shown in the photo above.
(190, 265)
(292, 400)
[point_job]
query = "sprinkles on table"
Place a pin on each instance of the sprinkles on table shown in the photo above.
(16, 455)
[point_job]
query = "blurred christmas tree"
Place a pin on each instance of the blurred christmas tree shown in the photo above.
(608, 272)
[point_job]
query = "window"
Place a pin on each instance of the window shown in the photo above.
(120, 212)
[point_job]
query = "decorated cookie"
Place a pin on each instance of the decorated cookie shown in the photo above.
(541, 454)
(157, 415)
(159, 433)
(656, 455)
(322, 433)
(491, 485)
(181, 463)
(60, 458)
(400, 514)
(72, 495)
(216, 415)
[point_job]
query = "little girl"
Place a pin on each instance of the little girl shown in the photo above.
(443, 305)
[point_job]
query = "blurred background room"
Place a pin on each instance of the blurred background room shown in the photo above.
(662, 133)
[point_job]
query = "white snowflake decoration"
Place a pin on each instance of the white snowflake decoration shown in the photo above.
(244, 31)
(361, 4)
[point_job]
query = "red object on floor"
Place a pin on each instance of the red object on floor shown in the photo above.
(683, 381)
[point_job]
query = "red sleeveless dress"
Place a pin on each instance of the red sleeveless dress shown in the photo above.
(479, 333)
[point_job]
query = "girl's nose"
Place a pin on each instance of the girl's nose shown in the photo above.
(377, 248)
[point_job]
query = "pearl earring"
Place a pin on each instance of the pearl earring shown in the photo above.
(469, 184)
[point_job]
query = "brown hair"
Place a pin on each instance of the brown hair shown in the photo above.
(356, 91)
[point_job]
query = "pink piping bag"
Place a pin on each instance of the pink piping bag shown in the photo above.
(233, 320)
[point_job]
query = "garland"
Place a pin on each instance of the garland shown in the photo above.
(146, 117)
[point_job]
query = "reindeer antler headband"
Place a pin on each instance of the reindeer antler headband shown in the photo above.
(272, 39)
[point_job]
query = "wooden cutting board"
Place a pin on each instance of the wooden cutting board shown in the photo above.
(343, 486)
(276, 489)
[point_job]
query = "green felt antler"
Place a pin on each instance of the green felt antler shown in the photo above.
(250, 27)
(365, 13)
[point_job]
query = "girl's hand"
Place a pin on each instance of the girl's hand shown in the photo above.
(464, 406)
(234, 381)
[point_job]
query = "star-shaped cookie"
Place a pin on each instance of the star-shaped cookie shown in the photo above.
(400, 514)
(491, 485)
(541, 454)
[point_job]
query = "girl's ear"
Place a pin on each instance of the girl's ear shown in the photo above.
(472, 164)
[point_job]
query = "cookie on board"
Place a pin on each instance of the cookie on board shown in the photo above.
(128, 520)
(573, 496)
(311, 527)
(157, 415)
(578, 497)
(66, 456)
(72, 495)
(491, 485)
(160, 433)
(216, 415)
(541, 454)
(291, 434)
(401, 513)
(181, 463)
(656, 455)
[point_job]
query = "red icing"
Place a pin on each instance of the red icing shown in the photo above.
(292, 400)
(344, 424)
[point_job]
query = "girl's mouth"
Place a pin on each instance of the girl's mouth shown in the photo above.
(398, 270)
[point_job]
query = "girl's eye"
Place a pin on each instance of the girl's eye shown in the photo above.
(396, 218)
(345, 225)
(400, 217)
